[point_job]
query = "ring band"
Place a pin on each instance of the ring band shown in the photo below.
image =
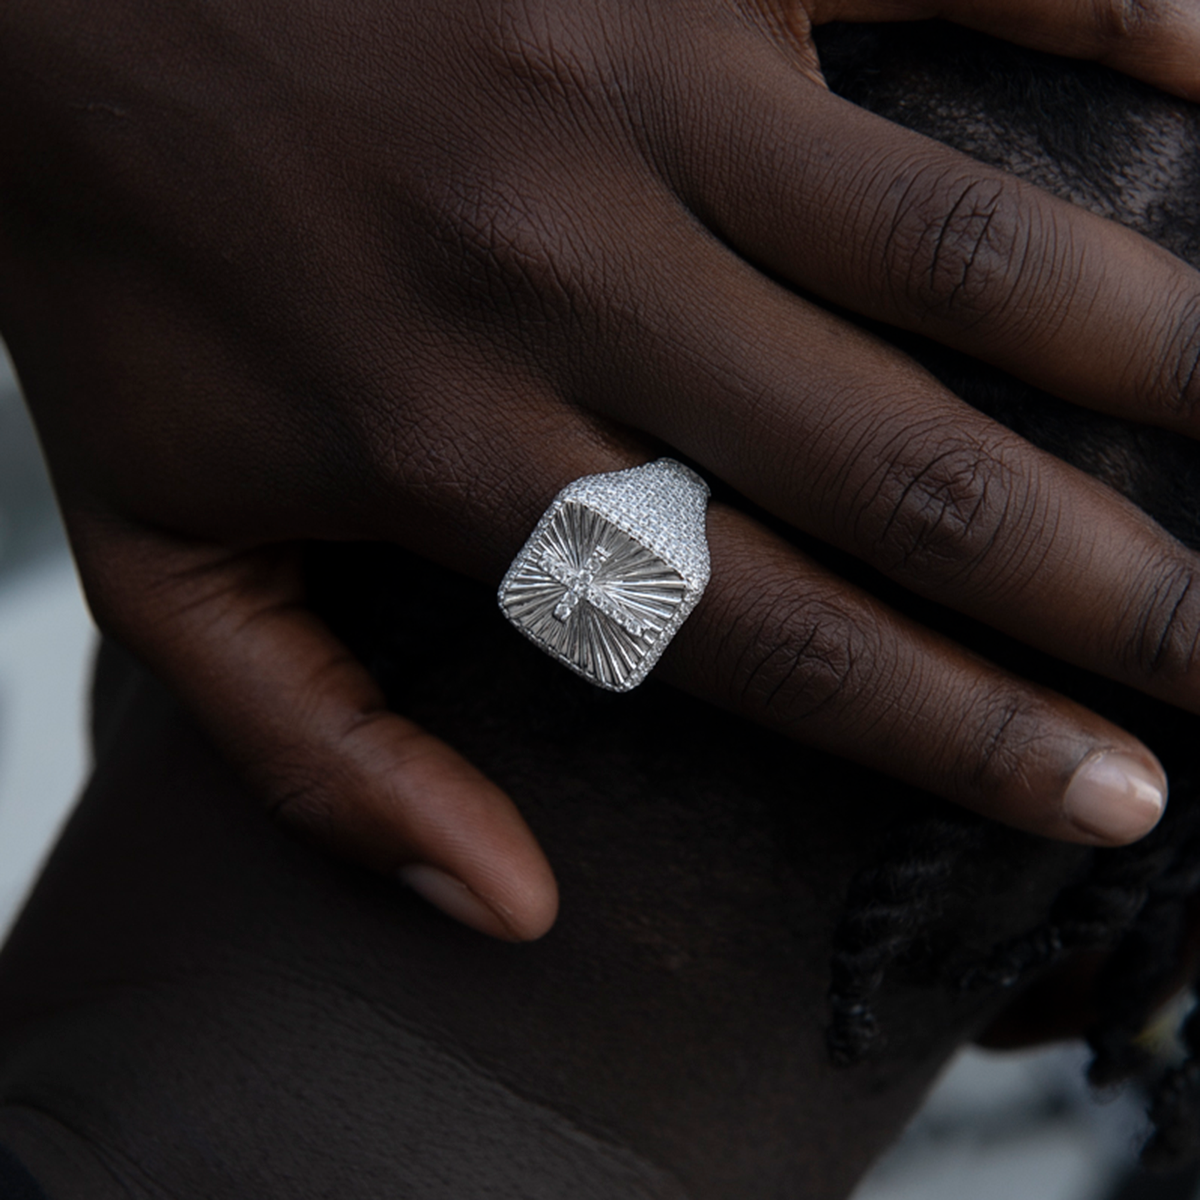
(612, 571)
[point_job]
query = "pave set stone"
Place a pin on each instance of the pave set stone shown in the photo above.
(612, 570)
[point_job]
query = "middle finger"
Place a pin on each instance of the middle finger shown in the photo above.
(849, 440)
(895, 226)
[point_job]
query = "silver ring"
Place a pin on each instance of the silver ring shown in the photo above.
(612, 571)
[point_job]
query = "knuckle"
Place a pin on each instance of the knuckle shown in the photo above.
(1166, 630)
(1123, 20)
(498, 242)
(802, 662)
(955, 246)
(1000, 754)
(512, 256)
(296, 798)
(1180, 365)
(938, 523)
(541, 45)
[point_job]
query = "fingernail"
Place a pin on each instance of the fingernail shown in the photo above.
(1116, 797)
(454, 898)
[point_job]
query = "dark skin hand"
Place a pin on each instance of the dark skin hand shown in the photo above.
(390, 270)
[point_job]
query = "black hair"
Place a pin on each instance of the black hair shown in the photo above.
(1131, 154)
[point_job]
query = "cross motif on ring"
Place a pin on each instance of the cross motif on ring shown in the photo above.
(580, 583)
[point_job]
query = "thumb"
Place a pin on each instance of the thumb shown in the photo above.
(307, 726)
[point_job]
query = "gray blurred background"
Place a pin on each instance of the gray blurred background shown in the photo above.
(45, 645)
(1010, 1127)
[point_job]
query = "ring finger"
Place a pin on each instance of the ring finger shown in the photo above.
(785, 642)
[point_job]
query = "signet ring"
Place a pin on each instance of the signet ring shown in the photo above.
(612, 570)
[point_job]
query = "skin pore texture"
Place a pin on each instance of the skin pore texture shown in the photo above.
(197, 1006)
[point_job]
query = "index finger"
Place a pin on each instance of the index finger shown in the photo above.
(896, 226)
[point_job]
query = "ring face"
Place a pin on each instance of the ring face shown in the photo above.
(612, 570)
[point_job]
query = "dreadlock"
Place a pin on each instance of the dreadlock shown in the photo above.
(995, 101)
(1133, 902)
(888, 906)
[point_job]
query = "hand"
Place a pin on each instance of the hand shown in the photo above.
(383, 269)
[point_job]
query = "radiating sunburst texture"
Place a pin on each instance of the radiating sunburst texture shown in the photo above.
(589, 592)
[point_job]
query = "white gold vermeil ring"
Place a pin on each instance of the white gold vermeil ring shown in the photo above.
(612, 571)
